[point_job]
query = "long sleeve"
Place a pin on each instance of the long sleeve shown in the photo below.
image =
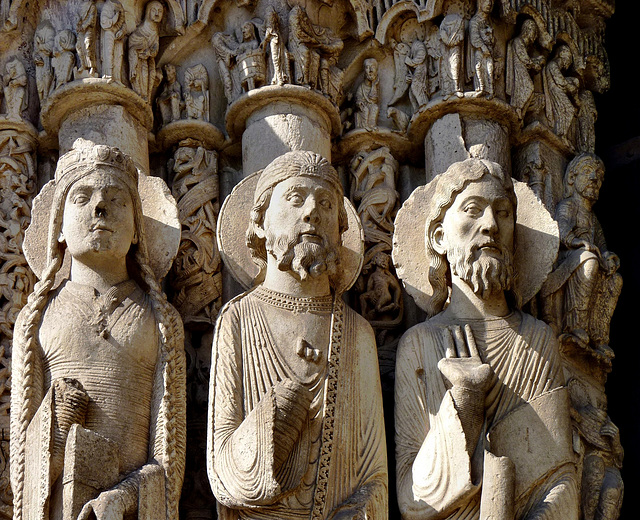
(434, 476)
(240, 467)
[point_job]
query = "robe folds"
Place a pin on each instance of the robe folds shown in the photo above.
(339, 458)
(526, 420)
(110, 344)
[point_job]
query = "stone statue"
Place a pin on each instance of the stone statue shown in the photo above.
(452, 37)
(315, 50)
(114, 30)
(14, 83)
(42, 51)
(250, 58)
(143, 47)
(417, 62)
(482, 415)
(519, 85)
(481, 42)
(383, 295)
(587, 115)
(195, 277)
(294, 373)
(86, 37)
(64, 59)
(402, 78)
(560, 92)
(281, 73)
(368, 97)
(586, 268)
(98, 395)
(196, 94)
(224, 46)
(170, 98)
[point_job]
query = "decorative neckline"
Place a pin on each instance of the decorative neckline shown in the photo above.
(294, 303)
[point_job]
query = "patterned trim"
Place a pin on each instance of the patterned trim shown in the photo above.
(331, 387)
(293, 303)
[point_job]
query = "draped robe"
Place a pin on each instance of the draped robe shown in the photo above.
(526, 419)
(339, 459)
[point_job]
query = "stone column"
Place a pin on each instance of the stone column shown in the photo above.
(276, 119)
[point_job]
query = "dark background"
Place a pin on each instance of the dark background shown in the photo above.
(618, 143)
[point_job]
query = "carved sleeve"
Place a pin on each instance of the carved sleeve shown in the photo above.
(433, 466)
(240, 450)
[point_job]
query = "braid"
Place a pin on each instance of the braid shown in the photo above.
(25, 394)
(173, 398)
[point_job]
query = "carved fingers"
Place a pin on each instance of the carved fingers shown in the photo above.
(107, 506)
(462, 365)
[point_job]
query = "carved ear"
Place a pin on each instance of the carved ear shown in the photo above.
(135, 238)
(436, 237)
(259, 230)
(61, 237)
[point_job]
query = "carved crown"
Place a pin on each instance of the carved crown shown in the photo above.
(94, 156)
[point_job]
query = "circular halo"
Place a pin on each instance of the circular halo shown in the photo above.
(161, 227)
(536, 236)
(233, 221)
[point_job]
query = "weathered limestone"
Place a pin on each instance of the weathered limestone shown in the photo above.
(204, 94)
(479, 379)
(276, 445)
(97, 350)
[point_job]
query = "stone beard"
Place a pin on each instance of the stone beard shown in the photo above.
(296, 429)
(469, 445)
(303, 258)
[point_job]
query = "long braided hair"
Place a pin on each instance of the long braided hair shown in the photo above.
(167, 435)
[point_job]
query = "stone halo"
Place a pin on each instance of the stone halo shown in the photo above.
(233, 221)
(161, 227)
(536, 236)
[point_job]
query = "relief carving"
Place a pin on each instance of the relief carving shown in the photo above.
(98, 406)
(143, 47)
(308, 362)
(479, 373)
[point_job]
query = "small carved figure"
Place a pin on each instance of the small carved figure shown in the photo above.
(144, 44)
(170, 98)
(278, 51)
(42, 51)
(86, 37)
(479, 378)
(560, 92)
(519, 85)
(602, 486)
(481, 42)
(587, 115)
(196, 95)
(399, 118)
(283, 398)
(196, 274)
(586, 268)
(383, 295)
(224, 46)
(14, 82)
(452, 37)
(315, 51)
(434, 51)
(112, 21)
(250, 58)
(417, 61)
(64, 59)
(368, 97)
(402, 78)
(98, 394)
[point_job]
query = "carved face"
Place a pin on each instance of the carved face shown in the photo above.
(155, 12)
(476, 235)
(485, 6)
(301, 225)
(170, 71)
(371, 69)
(589, 180)
(247, 32)
(98, 222)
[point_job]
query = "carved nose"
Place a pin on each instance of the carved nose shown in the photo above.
(101, 209)
(311, 212)
(489, 226)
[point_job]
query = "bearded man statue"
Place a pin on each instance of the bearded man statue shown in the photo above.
(482, 416)
(295, 408)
